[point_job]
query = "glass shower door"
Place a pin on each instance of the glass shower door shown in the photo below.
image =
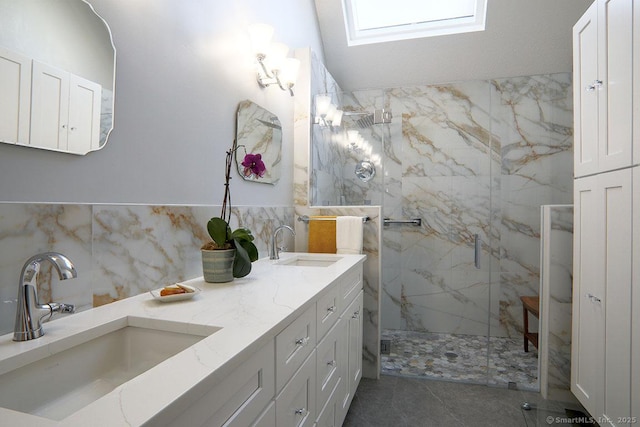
(437, 276)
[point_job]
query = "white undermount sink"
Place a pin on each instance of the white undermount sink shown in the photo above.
(310, 260)
(93, 363)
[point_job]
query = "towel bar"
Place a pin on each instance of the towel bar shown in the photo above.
(414, 221)
(306, 219)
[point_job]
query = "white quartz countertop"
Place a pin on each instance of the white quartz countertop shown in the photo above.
(250, 312)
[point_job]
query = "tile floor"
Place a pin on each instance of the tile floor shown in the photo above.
(461, 358)
(394, 401)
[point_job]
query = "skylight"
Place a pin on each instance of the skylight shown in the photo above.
(377, 21)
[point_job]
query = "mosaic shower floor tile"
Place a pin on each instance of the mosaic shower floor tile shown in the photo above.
(462, 358)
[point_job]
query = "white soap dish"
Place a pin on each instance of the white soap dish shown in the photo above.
(191, 292)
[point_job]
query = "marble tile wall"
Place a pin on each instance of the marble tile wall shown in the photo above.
(444, 154)
(533, 125)
(469, 158)
(118, 250)
(321, 82)
(556, 296)
(334, 157)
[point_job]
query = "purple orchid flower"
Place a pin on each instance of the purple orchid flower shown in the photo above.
(253, 165)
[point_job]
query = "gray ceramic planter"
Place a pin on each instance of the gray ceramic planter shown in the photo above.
(217, 266)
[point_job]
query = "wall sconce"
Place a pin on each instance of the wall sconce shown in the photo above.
(327, 114)
(273, 65)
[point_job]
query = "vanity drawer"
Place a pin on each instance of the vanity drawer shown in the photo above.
(329, 364)
(296, 405)
(327, 311)
(238, 399)
(349, 287)
(293, 345)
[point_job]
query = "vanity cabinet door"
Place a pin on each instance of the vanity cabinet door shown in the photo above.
(352, 330)
(329, 415)
(268, 417)
(296, 405)
(331, 365)
(15, 102)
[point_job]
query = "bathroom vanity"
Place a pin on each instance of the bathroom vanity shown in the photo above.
(282, 346)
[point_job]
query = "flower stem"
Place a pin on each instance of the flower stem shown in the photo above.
(225, 214)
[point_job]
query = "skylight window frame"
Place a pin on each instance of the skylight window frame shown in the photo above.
(356, 37)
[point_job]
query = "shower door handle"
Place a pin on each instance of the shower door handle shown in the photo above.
(477, 248)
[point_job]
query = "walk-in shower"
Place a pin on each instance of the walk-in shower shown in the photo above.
(461, 171)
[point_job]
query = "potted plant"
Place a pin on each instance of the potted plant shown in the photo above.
(230, 253)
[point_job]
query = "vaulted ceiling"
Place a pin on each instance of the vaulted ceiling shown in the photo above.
(522, 37)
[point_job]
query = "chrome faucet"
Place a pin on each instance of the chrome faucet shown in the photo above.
(31, 313)
(274, 251)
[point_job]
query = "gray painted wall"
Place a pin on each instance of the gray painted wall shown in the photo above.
(182, 68)
(522, 37)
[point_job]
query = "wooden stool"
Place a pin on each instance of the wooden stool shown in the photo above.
(530, 305)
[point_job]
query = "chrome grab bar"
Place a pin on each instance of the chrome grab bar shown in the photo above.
(307, 218)
(477, 248)
(413, 221)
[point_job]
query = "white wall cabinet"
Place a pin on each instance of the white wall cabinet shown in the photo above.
(306, 375)
(605, 359)
(603, 45)
(602, 327)
(65, 110)
(15, 102)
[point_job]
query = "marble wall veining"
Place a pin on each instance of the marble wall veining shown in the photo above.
(118, 250)
(533, 125)
(471, 159)
(474, 158)
(556, 296)
(321, 82)
(445, 180)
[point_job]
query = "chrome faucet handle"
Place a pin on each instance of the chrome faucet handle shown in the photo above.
(57, 307)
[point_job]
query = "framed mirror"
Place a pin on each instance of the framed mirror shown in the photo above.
(57, 75)
(258, 131)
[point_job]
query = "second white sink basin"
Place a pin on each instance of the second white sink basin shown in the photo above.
(94, 364)
(310, 260)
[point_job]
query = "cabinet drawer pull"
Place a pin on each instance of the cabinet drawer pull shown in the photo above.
(597, 84)
(331, 309)
(593, 298)
(356, 315)
(301, 411)
(302, 341)
(331, 363)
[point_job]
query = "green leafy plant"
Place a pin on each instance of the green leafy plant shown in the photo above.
(240, 239)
